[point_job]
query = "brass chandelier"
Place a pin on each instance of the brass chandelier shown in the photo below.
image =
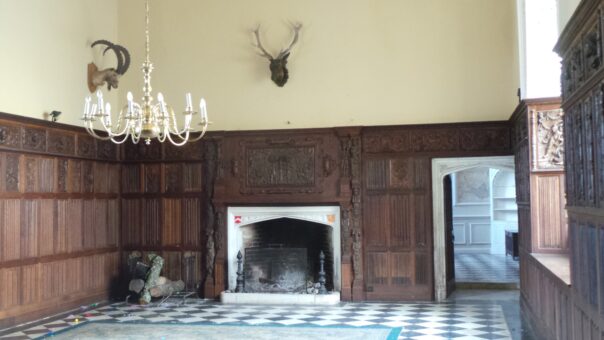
(145, 121)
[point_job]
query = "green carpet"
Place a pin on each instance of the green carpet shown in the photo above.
(106, 330)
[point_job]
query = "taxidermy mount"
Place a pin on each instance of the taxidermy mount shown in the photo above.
(279, 73)
(110, 75)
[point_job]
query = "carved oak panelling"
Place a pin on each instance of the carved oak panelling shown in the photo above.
(189, 151)
(152, 177)
(11, 176)
(62, 174)
(47, 227)
(376, 174)
(172, 223)
(547, 140)
(106, 150)
(132, 222)
(192, 177)
(599, 138)
(86, 146)
(9, 136)
(33, 139)
(75, 176)
(31, 174)
(61, 143)
(29, 223)
(87, 176)
(173, 177)
(11, 229)
(142, 151)
(152, 221)
(588, 117)
(131, 178)
(592, 50)
(46, 174)
(191, 222)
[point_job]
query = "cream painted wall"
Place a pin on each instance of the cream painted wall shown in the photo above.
(45, 50)
(357, 62)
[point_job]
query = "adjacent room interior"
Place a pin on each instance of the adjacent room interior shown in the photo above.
(278, 169)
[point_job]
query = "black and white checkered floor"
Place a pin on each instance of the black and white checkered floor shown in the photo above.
(485, 268)
(418, 321)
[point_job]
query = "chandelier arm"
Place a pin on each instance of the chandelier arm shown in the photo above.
(122, 141)
(93, 133)
(181, 143)
(201, 134)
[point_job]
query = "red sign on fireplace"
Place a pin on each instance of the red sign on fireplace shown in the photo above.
(237, 219)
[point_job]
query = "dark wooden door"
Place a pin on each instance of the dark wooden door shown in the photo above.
(397, 224)
(449, 238)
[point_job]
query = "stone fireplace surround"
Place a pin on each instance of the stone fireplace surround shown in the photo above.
(237, 217)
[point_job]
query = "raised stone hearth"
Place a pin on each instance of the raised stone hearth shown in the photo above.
(281, 247)
(332, 298)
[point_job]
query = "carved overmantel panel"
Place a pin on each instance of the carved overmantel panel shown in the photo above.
(277, 168)
(547, 147)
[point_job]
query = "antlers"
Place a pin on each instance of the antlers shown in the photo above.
(283, 53)
(123, 57)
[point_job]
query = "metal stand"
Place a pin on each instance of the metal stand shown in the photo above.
(240, 278)
(322, 289)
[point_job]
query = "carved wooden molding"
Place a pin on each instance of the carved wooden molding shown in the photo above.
(287, 165)
(547, 145)
(439, 139)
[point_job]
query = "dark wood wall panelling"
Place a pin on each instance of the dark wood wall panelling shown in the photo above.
(379, 176)
(580, 46)
(59, 218)
(173, 200)
(164, 203)
(537, 130)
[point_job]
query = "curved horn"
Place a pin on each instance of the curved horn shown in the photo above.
(103, 42)
(123, 67)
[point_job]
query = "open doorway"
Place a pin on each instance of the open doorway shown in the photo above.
(473, 208)
(483, 216)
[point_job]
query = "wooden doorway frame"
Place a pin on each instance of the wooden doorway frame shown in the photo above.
(440, 168)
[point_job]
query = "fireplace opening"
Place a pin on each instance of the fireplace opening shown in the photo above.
(282, 255)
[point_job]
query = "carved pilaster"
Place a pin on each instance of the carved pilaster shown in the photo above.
(356, 217)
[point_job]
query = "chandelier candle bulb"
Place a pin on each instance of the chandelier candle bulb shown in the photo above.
(189, 102)
(86, 108)
(202, 108)
(130, 102)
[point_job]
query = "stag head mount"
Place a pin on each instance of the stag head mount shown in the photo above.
(278, 64)
(109, 76)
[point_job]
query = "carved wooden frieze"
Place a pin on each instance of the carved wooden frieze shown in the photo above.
(485, 139)
(9, 136)
(86, 147)
(435, 140)
(33, 139)
(547, 145)
(11, 180)
(389, 142)
(289, 166)
(61, 143)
